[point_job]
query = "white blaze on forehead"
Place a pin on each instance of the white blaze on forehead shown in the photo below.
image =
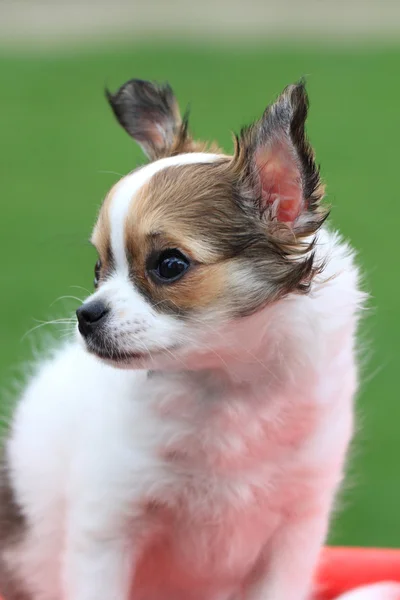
(128, 188)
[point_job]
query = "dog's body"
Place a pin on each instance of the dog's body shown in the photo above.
(209, 472)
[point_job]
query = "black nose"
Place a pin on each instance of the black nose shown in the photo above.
(90, 315)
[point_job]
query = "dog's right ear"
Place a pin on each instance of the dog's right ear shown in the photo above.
(150, 114)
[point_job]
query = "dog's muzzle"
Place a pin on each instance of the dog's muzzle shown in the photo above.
(91, 316)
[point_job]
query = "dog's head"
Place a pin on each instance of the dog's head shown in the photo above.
(196, 241)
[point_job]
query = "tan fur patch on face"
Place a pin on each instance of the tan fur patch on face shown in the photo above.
(183, 207)
(237, 261)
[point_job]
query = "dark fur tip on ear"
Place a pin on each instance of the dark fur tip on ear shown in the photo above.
(299, 103)
(292, 108)
(298, 98)
(138, 99)
(149, 113)
(313, 190)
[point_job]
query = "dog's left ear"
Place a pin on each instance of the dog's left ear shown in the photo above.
(150, 114)
(275, 163)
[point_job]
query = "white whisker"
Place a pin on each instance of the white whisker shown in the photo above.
(44, 323)
(79, 287)
(110, 173)
(67, 297)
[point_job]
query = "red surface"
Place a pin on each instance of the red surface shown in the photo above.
(344, 569)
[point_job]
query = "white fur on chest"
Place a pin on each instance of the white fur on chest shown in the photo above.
(206, 476)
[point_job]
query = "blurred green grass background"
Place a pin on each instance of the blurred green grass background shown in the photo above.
(61, 150)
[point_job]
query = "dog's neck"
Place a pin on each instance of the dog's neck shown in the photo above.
(249, 357)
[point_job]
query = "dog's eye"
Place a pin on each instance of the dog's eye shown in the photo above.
(97, 268)
(169, 266)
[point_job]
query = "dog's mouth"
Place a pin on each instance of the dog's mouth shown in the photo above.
(115, 355)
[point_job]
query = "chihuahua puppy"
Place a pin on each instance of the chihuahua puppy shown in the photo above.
(189, 443)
